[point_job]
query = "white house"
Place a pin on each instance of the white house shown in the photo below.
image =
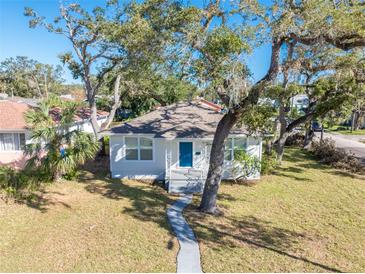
(173, 144)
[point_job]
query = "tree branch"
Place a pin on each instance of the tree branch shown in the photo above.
(344, 42)
(116, 103)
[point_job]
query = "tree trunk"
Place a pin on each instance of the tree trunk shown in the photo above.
(116, 104)
(94, 120)
(57, 176)
(209, 199)
(279, 146)
(282, 119)
(309, 134)
(358, 118)
(353, 121)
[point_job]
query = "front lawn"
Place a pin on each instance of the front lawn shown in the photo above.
(94, 225)
(305, 218)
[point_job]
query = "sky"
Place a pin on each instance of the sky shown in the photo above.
(17, 39)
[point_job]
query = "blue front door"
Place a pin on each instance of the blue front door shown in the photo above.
(186, 154)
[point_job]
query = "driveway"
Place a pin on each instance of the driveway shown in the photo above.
(351, 143)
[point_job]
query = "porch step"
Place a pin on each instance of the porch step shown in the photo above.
(186, 186)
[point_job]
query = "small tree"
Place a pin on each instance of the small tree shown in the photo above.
(55, 149)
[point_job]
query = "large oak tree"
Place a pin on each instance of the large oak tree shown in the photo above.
(221, 45)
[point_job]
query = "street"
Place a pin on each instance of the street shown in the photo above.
(350, 143)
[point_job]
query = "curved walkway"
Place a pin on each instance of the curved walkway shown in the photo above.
(188, 258)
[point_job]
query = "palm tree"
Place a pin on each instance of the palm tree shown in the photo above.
(55, 149)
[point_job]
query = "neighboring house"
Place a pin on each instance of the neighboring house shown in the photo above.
(173, 144)
(300, 102)
(14, 133)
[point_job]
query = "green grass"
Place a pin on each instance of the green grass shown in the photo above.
(95, 225)
(305, 218)
(349, 132)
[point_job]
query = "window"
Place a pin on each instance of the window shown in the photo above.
(131, 151)
(145, 148)
(232, 145)
(240, 144)
(12, 141)
(228, 149)
(138, 148)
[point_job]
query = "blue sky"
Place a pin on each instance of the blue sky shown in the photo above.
(17, 39)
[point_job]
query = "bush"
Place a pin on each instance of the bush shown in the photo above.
(327, 153)
(15, 184)
(11, 181)
(268, 163)
(71, 175)
(244, 165)
(296, 139)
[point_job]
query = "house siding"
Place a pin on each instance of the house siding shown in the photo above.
(14, 159)
(17, 159)
(122, 168)
(86, 125)
(156, 169)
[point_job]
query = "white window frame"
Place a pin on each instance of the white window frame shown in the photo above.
(139, 147)
(13, 141)
(232, 146)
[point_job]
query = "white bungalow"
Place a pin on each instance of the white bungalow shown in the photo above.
(173, 144)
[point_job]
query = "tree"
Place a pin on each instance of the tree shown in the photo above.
(301, 70)
(55, 149)
(26, 77)
(219, 51)
(112, 41)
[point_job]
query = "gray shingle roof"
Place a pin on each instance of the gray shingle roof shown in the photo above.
(181, 120)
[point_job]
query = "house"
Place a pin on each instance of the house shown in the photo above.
(14, 133)
(173, 144)
(300, 102)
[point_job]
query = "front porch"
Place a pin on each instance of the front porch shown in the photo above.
(186, 180)
(186, 165)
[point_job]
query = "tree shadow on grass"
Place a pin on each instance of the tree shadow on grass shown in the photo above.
(305, 160)
(225, 231)
(291, 172)
(42, 200)
(148, 202)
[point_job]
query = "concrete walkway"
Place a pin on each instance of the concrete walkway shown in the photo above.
(188, 258)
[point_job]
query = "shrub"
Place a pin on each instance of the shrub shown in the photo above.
(17, 184)
(244, 165)
(296, 139)
(71, 175)
(327, 153)
(268, 163)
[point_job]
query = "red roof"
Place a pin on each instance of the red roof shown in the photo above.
(12, 115)
(211, 105)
